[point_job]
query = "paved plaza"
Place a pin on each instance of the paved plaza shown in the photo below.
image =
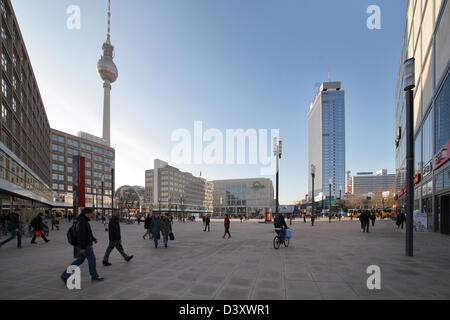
(327, 261)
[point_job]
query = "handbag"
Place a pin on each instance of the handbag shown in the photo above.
(171, 236)
(38, 234)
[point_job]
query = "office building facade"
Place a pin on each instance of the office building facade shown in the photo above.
(167, 189)
(24, 126)
(99, 160)
(426, 38)
(252, 197)
(367, 182)
(326, 139)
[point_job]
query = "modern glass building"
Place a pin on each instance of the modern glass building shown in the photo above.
(252, 197)
(24, 127)
(426, 38)
(326, 139)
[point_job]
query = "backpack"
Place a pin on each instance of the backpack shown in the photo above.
(72, 234)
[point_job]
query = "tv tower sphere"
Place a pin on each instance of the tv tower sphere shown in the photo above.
(106, 67)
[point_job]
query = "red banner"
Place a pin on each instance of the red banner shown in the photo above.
(79, 185)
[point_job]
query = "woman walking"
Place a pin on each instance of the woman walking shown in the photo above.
(227, 226)
(155, 228)
(147, 220)
(166, 229)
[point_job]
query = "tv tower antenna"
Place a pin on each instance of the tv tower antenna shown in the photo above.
(329, 74)
(108, 72)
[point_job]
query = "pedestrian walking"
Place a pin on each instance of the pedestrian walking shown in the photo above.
(304, 218)
(204, 220)
(53, 220)
(84, 245)
(373, 217)
(105, 222)
(365, 219)
(207, 223)
(401, 218)
(313, 218)
(155, 228)
(14, 224)
(115, 240)
(147, 221)
(241, 219)
(166, 229)
(227, 226)
(57, 220)
(38, 228)
(139, 218)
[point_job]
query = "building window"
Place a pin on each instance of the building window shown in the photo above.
(14, 82)
(4, 115)
(14, 104)
(4, 63)
(4, 88)
(4, 35)
(442, 119)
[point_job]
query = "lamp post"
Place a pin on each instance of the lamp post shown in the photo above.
(277, 151)
(340, 202)
(112, 185)
(330, 182)
(103, 191)
(313, 175)
(182, 208)
(409, 79)
(159, 206)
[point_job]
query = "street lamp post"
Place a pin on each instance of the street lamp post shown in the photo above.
(313, 175)
(182, 208)
(330, 182)
(113, 185)
(409, 95)
(277, 151)
(103, 191)
(340, 202)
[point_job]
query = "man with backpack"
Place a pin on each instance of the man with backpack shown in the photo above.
(14, 224)
(80, 235)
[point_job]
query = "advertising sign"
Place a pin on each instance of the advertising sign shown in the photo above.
(420, 221)
(442, 156)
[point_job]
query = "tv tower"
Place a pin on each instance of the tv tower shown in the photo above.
(109, 73)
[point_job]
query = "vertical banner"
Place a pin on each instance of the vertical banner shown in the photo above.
(79, 190)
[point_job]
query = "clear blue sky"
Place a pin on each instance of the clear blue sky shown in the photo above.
(232, 64)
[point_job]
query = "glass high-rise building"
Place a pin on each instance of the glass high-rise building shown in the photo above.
(326, 140)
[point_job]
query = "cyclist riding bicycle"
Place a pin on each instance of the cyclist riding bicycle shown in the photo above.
(280, 226)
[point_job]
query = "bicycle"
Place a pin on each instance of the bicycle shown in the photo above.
(280, 238)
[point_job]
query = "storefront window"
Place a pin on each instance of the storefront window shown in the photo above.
(447, 179)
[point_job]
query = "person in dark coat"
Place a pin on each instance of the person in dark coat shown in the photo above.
(14, 225)
(207, 223)
(115, 239)
(166, 229)
(147, 221)
(227, 226)
(365, 220)
(373, 217)
(85, 240)
(155, 228)
(38, 227)
(401, 219)
(280, 225)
